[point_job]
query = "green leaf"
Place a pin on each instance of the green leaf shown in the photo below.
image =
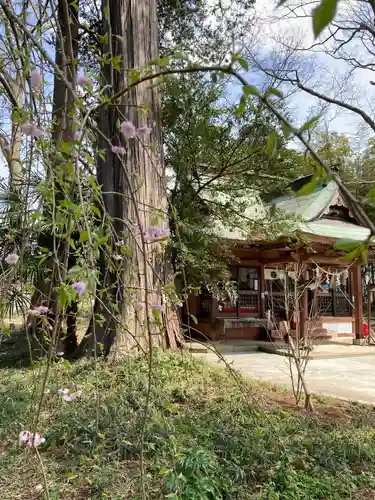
(310, 187)
(354, 254)
(346, 245)
(244, 64)
(241, 107)
(116, 62)
(272, 141)
(241, 61)
(310, 123)
(83, 236)
(323, 15)
(286, 130)
(194, 318)
(250, 90)
(272, 90)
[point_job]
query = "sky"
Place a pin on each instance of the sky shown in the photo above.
(269, 29)
(272, 29)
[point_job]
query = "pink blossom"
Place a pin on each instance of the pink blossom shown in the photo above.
(31, 439)
(180, 304)
(63, 391)
(24, 436)
(12, 259)
(128, 129)
(79, 287)
(155, 233)
(38, 311)
(72, 396)
(118, 150)
(143, 131)
(156, 307)
(36, 80)
(83, 80)
(27, 128)
(32, 130)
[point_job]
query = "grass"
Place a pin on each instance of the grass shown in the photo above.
(205, 437)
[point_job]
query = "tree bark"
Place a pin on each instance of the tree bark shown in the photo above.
(63, 113)
(133, 186)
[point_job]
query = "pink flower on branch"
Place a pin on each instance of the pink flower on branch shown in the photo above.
(36, 80)
(83, 80)
(12, 259)
(118, 150)
(31, 439)
(128, 129)
(79, 287)
(33, 131)
(156, 307)
(143, 132)
(38, 311)
(155, 233)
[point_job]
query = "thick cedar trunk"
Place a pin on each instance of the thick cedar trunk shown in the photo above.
(138, 178)
(63, 118)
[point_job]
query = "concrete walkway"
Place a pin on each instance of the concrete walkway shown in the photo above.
(351, 378)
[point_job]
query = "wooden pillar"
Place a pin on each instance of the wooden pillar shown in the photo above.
(303, 303)
(213, 319)
(261, 290)
(358, 302)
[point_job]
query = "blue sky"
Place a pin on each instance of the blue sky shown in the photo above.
(271, 31)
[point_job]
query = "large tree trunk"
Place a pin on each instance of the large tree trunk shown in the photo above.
(63, 114)
(133, 189)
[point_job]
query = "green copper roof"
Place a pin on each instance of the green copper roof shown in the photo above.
(311, 206)
(310, 216)
(336, 229)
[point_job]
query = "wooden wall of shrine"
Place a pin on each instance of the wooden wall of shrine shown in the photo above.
(253, 271)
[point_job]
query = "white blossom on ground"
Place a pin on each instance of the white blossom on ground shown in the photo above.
(71, 396)
(36, 79)
(79, 287)
(38, 310)
(83, 80)
(63, 390)
(31, 439)
(38, 489)
(143, 131)
(128, 129)
(118, 150)
(12, 259)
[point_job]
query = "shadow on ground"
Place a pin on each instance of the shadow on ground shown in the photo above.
(18, 349)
